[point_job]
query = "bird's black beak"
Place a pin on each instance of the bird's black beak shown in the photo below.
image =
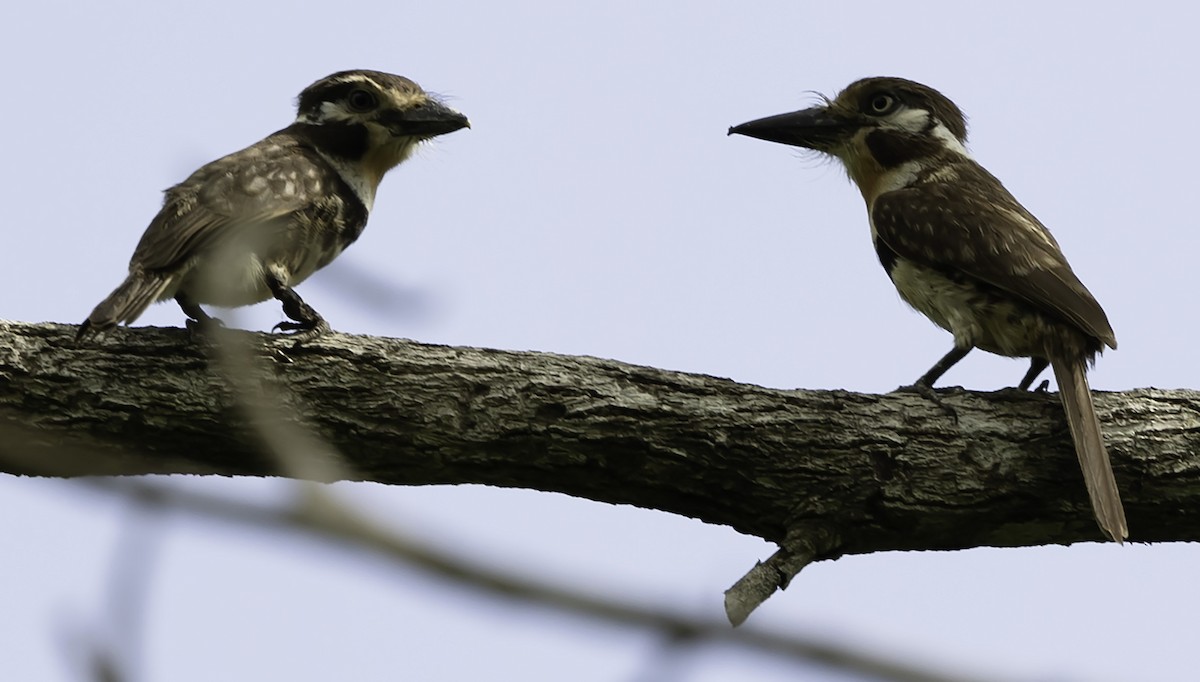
(426, 120)
(815, 128)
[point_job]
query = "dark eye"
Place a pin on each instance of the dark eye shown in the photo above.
(881, 103)
(361, 100)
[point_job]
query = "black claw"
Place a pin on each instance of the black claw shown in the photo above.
(305, 323)
(302, 332)
(317, 326)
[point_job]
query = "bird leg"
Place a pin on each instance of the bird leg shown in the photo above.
(307, 323)
(940, 367)
(1036, 366)
(199, 322)
(924, 386)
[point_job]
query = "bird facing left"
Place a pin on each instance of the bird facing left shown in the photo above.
(254, 224)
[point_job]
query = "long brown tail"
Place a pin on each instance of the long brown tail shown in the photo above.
(125, 304)
(1089, 446)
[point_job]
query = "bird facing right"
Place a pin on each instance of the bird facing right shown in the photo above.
(254, 224)
(961, 250)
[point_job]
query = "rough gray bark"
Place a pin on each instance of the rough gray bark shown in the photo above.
(823, 472)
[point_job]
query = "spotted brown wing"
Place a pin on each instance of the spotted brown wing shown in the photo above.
(258, 188)
(978, 229)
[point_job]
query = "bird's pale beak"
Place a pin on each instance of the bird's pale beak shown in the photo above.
(427, 120)
(815, 128)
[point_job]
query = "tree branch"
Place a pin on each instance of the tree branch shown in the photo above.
(322, 517)
(824, 473)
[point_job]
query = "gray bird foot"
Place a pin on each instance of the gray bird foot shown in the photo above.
(930, 393)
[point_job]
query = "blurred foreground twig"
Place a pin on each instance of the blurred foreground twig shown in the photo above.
(320, 516)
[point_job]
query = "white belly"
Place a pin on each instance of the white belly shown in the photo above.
(978, 317)
(237, 280)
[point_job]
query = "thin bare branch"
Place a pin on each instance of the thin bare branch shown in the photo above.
(319, 515)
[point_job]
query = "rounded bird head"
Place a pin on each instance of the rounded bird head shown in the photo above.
(893, 106)
(882, 129)
(379, 101)
(371, 120)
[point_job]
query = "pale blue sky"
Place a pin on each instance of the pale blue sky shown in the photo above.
(597, 207)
